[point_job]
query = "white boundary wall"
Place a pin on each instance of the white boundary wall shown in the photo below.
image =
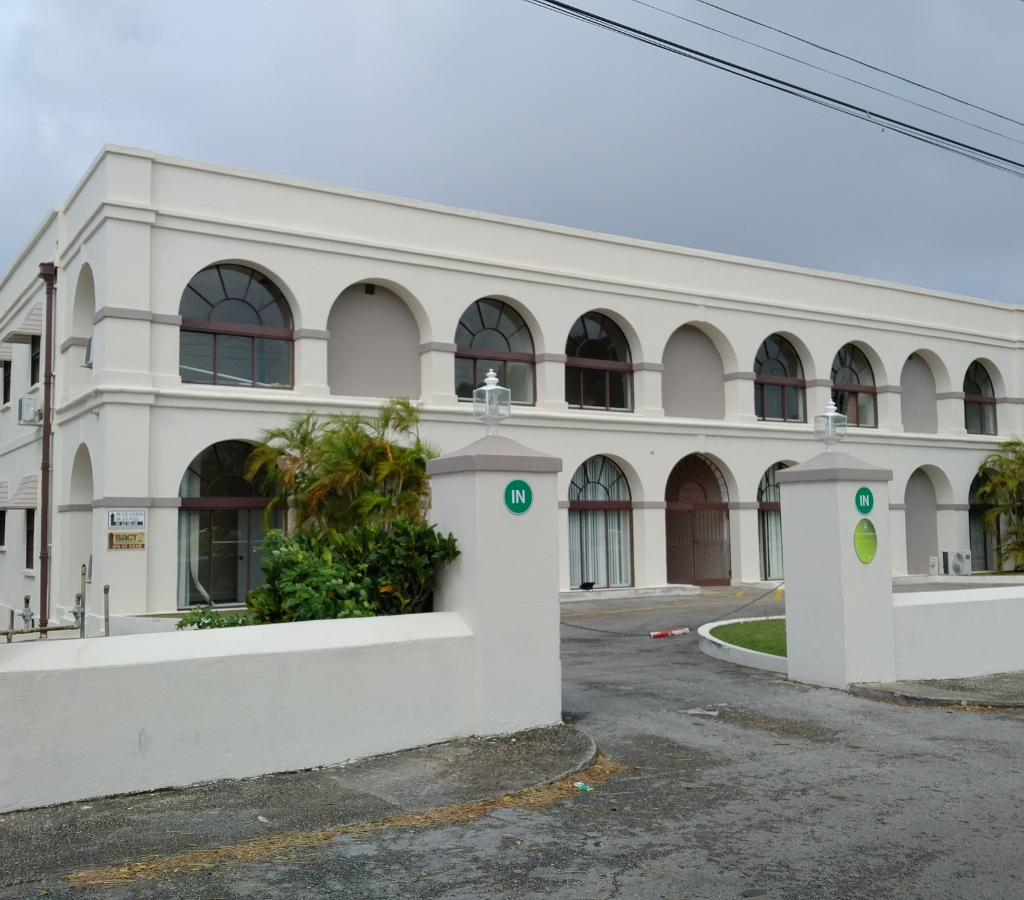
(87, 718)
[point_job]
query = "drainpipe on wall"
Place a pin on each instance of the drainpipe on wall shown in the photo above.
(48, 272)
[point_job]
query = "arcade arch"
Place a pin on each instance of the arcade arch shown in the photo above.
(697, 523)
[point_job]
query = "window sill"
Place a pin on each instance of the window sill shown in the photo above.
(29, 573)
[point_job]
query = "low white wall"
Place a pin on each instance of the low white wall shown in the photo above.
(959, 633)
(87, 718)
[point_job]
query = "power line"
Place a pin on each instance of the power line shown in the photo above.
(960, 148)
(818, 68)
(859, 62)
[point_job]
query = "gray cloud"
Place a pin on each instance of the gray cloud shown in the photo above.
(501, 106)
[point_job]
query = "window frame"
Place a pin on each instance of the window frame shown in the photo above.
(844, 387)
(475, 354)
(762, 381)
(980, 401)
(7, 382)
(605, 506)
(608, 366)
(35, 351)
(231, 329)
(30, 539)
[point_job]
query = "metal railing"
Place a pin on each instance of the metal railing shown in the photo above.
(28, 617)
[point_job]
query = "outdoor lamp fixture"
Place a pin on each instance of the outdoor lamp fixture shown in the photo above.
(830, 427)
(492, 404)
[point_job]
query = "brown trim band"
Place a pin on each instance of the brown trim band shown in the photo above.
(674, 506)
(601, 504)
(225, 502)
(606, 365)
(784, 382)
(509, 355)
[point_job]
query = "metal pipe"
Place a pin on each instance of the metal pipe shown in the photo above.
(106, 610)
(48, 272)
(42, 632)
(85, 569)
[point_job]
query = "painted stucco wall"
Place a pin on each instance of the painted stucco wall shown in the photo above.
(148, 711)
(144, 224)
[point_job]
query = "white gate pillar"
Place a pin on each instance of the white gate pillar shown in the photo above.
(839, 619)
(504, 583)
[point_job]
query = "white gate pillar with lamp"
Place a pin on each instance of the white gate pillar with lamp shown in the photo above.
(500, 500)
(836, 543)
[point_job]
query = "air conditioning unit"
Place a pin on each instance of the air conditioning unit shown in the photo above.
(88, 353)
(28, 412)
(956, 562)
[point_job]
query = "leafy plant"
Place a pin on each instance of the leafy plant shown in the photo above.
(368, 570)
(1002, 491)
(207, 617)
(346, 471)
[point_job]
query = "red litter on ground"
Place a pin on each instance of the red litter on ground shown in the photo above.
(658, 634)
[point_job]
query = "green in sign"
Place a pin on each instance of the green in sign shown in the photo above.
(518, 496)
(865, 540)
(865, 501)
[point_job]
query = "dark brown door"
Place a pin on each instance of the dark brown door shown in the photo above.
(698, 543)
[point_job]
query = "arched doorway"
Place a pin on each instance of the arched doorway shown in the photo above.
(600, 526)
(697, 523)
(220, 528)
(769, 523)
(922, 523)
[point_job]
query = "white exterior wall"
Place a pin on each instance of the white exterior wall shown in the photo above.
(145, 224)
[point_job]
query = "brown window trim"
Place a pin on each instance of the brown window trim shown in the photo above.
(601, 504)
(971, 398)
(204, 325)
(675, 505)
(504, 355)
(579, 362)
(854, 388)
(768, 507)
(785, 382)
(225, 502)
(800, 383)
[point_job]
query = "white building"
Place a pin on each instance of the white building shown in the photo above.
(672, 382)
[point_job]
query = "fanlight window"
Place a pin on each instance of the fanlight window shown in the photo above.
(492, 335)
(220, 528)
(236, 329)
(598, 369)
(600, 520)
(779, 386)
(979, 401)
(853, 387)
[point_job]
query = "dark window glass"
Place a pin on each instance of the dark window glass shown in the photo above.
(598, 368)
(492, 335)
(248, 340)
(779, 387)
(30, 538)
(3, 527)
(7, 381)
(979, 401)
(853, 387)
(33, 375)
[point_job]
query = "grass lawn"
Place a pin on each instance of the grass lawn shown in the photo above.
(765, 637)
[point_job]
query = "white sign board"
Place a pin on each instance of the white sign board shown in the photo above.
(126, 518)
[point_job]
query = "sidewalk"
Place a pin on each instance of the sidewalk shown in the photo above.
(1004, 691)
(128, 828)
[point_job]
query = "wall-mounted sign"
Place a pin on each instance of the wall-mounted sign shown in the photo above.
(865, 501)
(518, 496)
(126, 518)
(126, 540)
(865, 540)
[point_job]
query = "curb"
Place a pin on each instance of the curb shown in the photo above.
(741, 656)
(875, 693)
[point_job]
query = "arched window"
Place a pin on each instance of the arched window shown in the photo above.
(600, 520)
(779, 386)
(599, 369)
(979, 401)
(492, 335)
(853, 387)
(220, 528)
(769, 523)
(236, 329)
(983, 543)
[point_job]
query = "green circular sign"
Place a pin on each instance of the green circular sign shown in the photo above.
(518, 497)
(865, 501)
(865, 540)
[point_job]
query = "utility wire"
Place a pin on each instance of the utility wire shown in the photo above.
(818, 68)
(932, 138)
(860, 62)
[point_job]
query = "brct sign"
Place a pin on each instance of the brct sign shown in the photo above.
(518, 497)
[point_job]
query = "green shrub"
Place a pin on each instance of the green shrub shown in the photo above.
(207, 617)
(366, 571)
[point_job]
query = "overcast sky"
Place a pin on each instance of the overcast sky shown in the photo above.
(498, 105)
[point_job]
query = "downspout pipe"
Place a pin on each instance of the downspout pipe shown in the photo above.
(48, 272)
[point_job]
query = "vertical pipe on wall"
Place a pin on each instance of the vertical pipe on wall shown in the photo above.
(48, 272)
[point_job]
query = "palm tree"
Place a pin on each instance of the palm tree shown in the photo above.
(1002, 491)
(347, 470)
